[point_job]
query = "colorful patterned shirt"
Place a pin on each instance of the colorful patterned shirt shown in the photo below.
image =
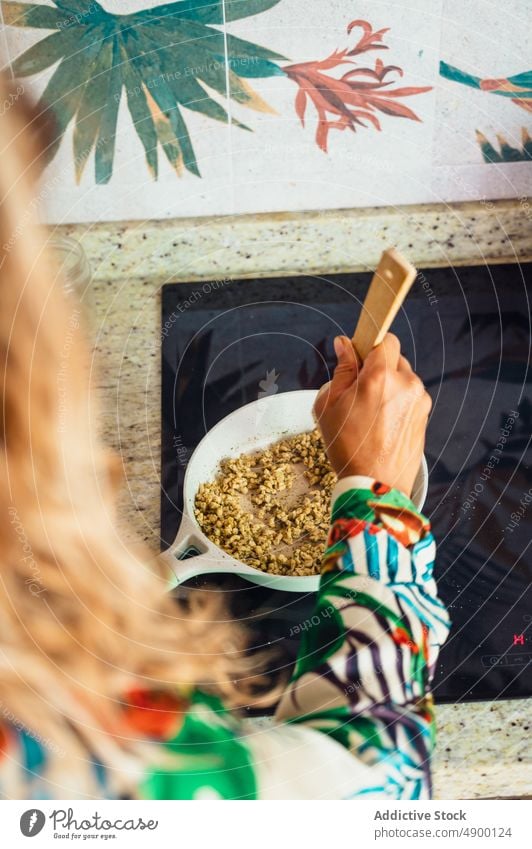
(355, 721)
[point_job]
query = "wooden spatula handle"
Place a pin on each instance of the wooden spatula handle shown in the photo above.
(388, 289)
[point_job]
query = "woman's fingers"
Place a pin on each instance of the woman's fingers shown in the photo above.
(346, 371)
(345, 374)
(385, 356)
(404, 366)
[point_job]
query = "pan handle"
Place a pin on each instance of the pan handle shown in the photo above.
(209, 560)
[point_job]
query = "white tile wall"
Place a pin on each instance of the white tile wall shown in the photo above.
(278, 166)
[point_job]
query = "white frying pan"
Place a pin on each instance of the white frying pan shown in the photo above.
(265, 421)
(247, 429)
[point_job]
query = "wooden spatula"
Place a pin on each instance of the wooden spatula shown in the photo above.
(388, 289)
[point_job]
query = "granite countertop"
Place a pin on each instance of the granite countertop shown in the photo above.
(483, 748)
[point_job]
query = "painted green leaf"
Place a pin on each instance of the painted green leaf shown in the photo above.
(140, 113)
(164, 111)
(183, 137)
(177, 33)
(65, 88)
(236, 9)
(527, 143)
(205, 11)
(238, 90)
(208, 69)
(46, 52)
(189, 93)
(239, 47)
(524, 79)
(167, 139)
(208, 11)
(79, 7)
(195, 57)
(488, 151)
(506, 152)
(458, 76)
(105, 145)
(30, 15)
(93, 101)
(178, 140)
(169, 125)
(254, 68)
(184, 87)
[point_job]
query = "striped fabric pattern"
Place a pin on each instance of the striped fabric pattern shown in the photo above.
(390, 625)
(356, 720)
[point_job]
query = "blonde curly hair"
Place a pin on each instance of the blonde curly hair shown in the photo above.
(84, 616)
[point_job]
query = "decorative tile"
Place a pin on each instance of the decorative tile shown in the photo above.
(485, 87)
(346, 117)
(139, 101)
(215, 107)
(483, 133)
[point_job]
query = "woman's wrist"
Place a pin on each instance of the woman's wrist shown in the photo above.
(354, 471)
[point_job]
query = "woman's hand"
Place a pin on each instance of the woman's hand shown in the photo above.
(373, 417)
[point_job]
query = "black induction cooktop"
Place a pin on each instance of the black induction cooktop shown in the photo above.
(467, 332)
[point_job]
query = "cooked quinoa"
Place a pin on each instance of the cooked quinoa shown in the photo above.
(270, 509)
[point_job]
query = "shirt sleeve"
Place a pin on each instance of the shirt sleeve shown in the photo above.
(368, 654)
(356, 720)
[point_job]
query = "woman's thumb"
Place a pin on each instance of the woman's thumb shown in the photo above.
(345, 374)
(346, 371)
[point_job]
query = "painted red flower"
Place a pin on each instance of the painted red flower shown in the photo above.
(352, 100)
(369, 40)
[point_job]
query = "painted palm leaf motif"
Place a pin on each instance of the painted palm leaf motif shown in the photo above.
(171, 58)
(164, 59)
(506, 152)
(519, 89)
